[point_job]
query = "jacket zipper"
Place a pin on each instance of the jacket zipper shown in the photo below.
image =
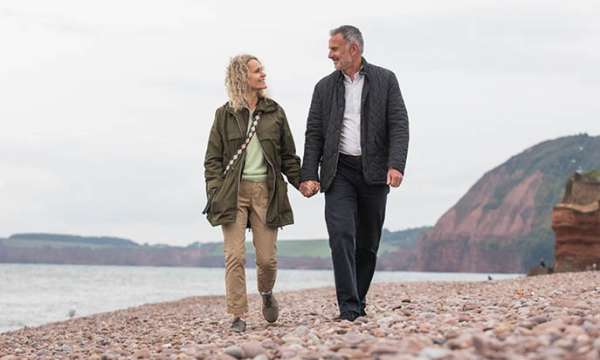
(239, 175)
(272, 169)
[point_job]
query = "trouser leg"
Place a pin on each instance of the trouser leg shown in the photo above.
(340, 216)
(264, 238)
(235, 258)
(371, 215)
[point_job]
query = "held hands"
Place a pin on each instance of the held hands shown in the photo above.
(309, 187)
(394, 177)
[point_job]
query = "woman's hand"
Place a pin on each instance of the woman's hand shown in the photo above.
(309, 187)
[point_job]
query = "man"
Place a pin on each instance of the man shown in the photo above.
(357, 131)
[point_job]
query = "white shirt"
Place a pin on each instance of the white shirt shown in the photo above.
(350, 137)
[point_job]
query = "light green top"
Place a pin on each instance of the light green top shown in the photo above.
(255, 167)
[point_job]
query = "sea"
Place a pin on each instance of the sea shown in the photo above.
(34, 294)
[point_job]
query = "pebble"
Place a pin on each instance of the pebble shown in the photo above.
(234, 351)
(252, 349)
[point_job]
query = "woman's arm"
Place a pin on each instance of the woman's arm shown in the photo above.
(290, 162)
(213, 161)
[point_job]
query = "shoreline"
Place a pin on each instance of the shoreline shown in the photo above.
(76, 289)
(542, 317)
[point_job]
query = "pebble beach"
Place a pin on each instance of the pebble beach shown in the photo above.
(543, 317)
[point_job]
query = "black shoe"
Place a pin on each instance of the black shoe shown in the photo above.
(238, 325)
(270, 308)
(350, 316)
(362, 309)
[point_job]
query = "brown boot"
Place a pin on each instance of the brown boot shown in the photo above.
(270, 308)
(238, 325)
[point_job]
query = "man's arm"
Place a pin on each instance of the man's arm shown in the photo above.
(313, 143)
(397, 123)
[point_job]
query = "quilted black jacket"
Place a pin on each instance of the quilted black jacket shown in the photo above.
(384, 127)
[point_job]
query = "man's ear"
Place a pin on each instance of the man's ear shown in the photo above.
(355, 49)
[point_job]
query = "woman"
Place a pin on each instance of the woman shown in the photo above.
(249, 147)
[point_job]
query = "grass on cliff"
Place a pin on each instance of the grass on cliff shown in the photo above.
(593, 174)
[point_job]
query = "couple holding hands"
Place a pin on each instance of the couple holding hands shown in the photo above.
(356, 132)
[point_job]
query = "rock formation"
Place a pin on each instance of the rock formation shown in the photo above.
(576, 222)
(503, 223)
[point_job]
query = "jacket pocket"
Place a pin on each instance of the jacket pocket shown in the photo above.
(282, 198)
(209, 199)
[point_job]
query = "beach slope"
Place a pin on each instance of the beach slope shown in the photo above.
(544, 317)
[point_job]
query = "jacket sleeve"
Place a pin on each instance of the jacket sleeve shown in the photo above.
(397, 123)
(290, 162)
(313, 142)
(213, 161)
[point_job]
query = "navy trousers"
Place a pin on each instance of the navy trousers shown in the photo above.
(354, 213)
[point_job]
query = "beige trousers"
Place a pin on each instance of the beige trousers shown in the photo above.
(253, 200)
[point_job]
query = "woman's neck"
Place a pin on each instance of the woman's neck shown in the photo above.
(252, 100)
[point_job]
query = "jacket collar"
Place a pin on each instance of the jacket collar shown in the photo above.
(365, 69)
(264, 105)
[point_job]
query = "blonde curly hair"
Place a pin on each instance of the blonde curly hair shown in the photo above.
(236, 80)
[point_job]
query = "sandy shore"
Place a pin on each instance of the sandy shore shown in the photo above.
(544, 317)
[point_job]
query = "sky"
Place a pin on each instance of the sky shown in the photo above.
(105, 106)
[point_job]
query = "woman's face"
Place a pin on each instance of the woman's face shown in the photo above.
(256, 76)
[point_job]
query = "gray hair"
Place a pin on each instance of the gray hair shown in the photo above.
(351, 34)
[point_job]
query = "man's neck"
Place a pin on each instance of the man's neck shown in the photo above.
(353, 69)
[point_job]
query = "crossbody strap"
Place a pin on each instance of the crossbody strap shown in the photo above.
(242, 148)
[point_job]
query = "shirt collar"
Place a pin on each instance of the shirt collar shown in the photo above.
(359, 75)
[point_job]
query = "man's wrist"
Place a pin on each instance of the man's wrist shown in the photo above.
(393, 168)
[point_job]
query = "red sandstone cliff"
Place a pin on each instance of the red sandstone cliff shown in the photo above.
(576, 222)
(502, 224)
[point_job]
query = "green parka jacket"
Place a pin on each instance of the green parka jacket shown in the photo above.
(226, 136)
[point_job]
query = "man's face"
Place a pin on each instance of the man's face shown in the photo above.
(340, 52)
(256, 76)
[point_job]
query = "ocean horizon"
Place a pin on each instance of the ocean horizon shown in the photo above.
(37, 294)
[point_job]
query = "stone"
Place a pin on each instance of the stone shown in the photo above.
(462, 342)
(289, 351)
(349, 353)
(502, 330)
(378, 333)
(234, 351)
(109, 355)
(300, 331)
(142, 354)
(252, 349)
(353, 339)
(434, 353)
(292, 339)
(382, 349)
(596, 344)
(551, 326)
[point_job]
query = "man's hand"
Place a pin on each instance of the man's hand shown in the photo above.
(394, 177)
(309, 187)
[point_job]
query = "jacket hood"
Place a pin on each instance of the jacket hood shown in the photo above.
(265, 105)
